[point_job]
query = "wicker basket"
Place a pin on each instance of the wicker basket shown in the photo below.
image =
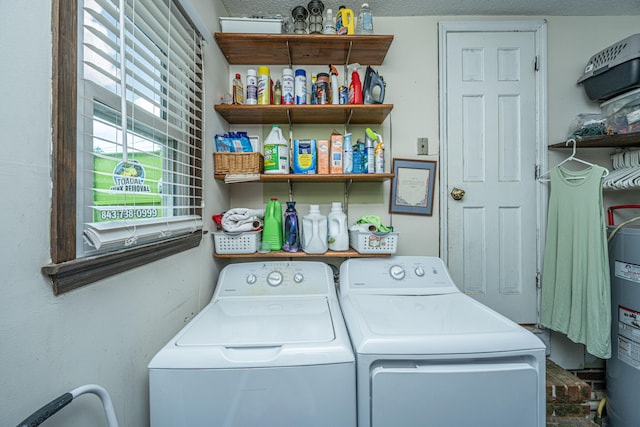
(225, 163)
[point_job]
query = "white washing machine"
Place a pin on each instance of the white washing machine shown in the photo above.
(270, 349)
(427, 354)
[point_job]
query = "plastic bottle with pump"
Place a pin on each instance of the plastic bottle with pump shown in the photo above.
(338, 234)
(314, 231)
(291, 229)
(335, 95)
(355, 86)
(238, 90)
(272, 230)
(365, 20)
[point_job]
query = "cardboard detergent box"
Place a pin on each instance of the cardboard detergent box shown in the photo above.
(304, 156)
(323, 157)
(335, 153)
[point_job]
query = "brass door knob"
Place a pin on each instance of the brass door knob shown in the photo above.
(457, 193)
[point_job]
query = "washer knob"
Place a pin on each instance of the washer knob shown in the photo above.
(298, 277)
(419, 271)
(274, 278)
(251, 279)
(397, 272)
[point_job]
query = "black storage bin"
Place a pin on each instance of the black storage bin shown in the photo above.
(613, 71)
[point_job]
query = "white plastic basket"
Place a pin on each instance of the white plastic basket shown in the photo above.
(365, 242)
(246, 242)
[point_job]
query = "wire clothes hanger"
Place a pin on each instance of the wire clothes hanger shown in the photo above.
(571, 157)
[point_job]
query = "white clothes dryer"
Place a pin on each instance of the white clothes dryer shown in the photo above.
(427, 354)
(270, 349)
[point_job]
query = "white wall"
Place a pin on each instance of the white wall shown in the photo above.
(107, 332)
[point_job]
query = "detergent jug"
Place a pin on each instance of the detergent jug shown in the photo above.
(338, 234)
(345, 21)
(314, 231)
(272, 230)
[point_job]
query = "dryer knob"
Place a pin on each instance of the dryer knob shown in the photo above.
(298, 277)
(274, 278)
(397, 272)
(251, 279)
(419, 271)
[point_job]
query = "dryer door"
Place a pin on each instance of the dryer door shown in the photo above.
(454, 395)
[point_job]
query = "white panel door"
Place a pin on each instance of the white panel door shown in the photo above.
(491, 152)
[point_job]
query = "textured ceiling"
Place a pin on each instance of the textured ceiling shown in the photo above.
(448, 7)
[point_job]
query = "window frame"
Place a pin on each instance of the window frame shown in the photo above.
(65, 270)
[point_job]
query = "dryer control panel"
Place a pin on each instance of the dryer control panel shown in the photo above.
(275, 278)
(399, 275)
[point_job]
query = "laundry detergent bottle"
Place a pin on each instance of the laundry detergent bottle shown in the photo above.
(314, 231)
(291, 229)
(272, 230)
(338, 234)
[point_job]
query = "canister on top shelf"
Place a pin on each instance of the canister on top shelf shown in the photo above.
(365, 20)
(322, 88)
(288, 86)
(300, 86)
(252, 87)
(264, 86)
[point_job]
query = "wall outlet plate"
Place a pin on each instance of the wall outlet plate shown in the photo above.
(423, 146)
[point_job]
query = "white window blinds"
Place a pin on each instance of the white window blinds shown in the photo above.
(140, 124)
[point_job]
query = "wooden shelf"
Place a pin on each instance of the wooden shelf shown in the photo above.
(304, 114)
(365, 177)
(315, 49)
(351, 253)
(604, 141)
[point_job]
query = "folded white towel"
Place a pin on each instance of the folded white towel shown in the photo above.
(242, 219)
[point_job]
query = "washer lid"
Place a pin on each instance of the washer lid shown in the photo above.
(433, 324)
(256, 322)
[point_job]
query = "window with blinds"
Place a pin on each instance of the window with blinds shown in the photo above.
(139, 155)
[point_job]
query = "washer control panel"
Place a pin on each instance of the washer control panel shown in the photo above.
(274, 278)
(413, 275)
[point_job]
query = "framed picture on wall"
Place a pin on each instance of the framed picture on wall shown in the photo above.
(412, 187)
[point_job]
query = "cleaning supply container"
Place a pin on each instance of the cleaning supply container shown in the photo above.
(338, 233)
(291, 229)
(347, 154)
(345, 21)
(272, 231)
(264, 86)
(304, 156)
(276, 152)
(252, 87)
(314, 231)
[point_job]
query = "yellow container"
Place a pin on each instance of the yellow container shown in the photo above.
(345, 21)
(264, 86)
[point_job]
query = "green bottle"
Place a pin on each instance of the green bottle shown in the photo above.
(272, 230)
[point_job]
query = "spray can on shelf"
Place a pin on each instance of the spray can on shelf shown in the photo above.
(369, 153)
(288, 86)
(335, 95)
(300, 87)
(264, 86)
(252, 87)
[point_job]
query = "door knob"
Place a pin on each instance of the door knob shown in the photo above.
(457, 193)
